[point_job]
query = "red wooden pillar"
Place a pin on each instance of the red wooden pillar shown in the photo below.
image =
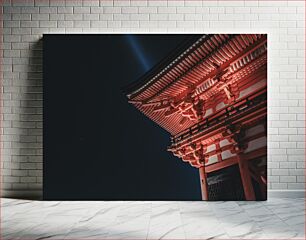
(204, 184)
(246, 178)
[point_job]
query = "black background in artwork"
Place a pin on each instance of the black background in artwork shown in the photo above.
(97, 146)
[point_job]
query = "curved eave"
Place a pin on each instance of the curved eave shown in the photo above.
(147, 80)
(243, 56)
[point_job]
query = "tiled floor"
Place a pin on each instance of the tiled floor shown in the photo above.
(273, 219)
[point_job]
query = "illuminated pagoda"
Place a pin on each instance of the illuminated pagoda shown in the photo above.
(210, 94)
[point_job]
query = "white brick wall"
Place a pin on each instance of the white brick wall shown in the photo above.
(24, 22)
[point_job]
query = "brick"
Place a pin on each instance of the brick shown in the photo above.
(91, 16)
(11, 165)
(111, 10)
(296, 186)
(288, 131)
(195, 3)
(300, 179)
(21, 31)
(287, 9)
(41, 2)
(185, 24)
(21, 17)
(161, 17)
(288, 179)
(48, 10)
(19, 173)
(277, 186)
(11, 9)
(280, 124)
(81, 9)
(188, 10)
(64, 10)
(147, 9)
(140, 17)
(6, 31)
(120, 17)
(47, 24)
(57, 3)
(57, 17)
(300, 116)
(74, 3)
(44, 16)
(166, 10)
(23, 3)
(148, 24)
(65, 24)
(273, 165)
(287, 165)
(11, 53)
(296, 172)
(167, 24)
(91, 3)
(216, 10)
(176, 17)
(139, 3)
(280, 172)
(76, 16)
(35, 173)
(157, 3)
(96, 10)
(6, 172)
(30, 24)
(228, 17)
(296, 154)
(274, 179)
(300, 164)
(230, 3)
(300, 145)
(204, 11)
(105, 17)
(38, 31)
(172, 3)
(296, 124)
(262, 10)
(129, 10)
(11, 24)
(57, 30)
(288, 116)
(98, 24)
(20, 186)
(273, 144)
(287, 145)
(81, 24)
(11, 179)
(130, 24)
(29, 10)
(27, 179)
(190, 17)
(297, 95)
(11, 38)
(221, 24)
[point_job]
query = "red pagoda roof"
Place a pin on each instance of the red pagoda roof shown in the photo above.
(211, 69)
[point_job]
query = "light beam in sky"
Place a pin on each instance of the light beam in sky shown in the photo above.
(137, 50)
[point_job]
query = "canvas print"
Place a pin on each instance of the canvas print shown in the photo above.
(155, 117)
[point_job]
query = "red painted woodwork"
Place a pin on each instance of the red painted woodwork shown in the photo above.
(204, 184)
(214, 91)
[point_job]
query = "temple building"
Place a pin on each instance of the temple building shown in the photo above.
(210, 94)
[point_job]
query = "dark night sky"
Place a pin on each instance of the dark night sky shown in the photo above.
(96, 144)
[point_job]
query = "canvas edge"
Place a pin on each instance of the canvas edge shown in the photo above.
(37, 194)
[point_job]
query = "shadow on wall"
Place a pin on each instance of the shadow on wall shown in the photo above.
(26, 151)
